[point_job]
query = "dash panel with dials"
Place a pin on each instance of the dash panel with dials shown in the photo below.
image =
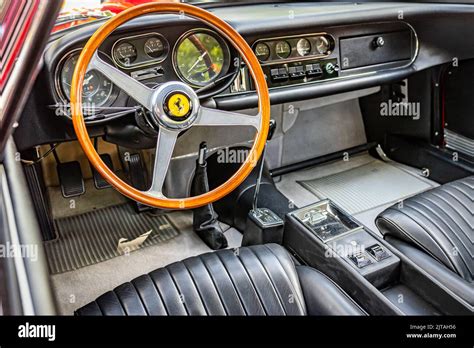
(297, 59)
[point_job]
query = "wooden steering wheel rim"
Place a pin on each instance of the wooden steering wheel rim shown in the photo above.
(255, 70)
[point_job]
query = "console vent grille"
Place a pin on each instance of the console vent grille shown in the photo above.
(459, 143)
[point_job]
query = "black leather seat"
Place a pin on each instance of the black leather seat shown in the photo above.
(256, 280)
(436, 230)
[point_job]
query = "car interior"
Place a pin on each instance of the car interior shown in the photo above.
(274, 158)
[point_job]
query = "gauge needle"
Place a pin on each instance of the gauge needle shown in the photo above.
(197, 61)
(88, 79)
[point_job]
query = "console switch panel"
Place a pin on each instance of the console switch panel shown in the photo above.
(279, 74)
(361, 260)
(378, 252)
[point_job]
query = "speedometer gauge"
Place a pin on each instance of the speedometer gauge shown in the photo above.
(200, 57)
(96, 89)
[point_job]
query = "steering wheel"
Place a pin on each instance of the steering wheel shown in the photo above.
(171, 119)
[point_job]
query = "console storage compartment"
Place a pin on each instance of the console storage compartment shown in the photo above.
(382, 280)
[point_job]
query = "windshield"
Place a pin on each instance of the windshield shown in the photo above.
(76, 12)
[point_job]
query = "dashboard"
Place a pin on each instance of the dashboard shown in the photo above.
(203, 59)
(306, 50)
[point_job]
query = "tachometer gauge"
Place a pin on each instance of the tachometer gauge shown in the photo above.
(154, 47)
(200, 57)
(96, 90)
(262, 51)
(303, 47)
(125, 53)
(283, 49)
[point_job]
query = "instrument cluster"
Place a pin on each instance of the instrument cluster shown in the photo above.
(140, 50)
(200, 58)
(283, 49)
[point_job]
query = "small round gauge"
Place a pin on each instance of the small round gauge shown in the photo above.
(283, 49)
(96, 89)
(262, 51)
(322, 45)
(200, 57)
(154, 47)
(125, 53)
(303, 47)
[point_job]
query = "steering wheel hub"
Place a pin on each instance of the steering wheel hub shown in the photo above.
(175, 106)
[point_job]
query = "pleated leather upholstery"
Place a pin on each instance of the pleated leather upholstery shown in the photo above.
(257, 280)
(440, 222)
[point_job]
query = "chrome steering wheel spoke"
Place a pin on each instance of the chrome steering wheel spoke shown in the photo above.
(164, 151)
(216, 117)
(135, 89)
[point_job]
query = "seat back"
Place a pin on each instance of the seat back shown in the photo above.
(440, 222)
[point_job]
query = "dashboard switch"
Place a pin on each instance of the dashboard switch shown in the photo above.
(296, 72)
(361, 260)
(378, 252)
(279, 74)
(314, 70)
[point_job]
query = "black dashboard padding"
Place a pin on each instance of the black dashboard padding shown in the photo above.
(256, 280)
(440, 222)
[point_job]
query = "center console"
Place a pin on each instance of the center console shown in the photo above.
(344, 238)
(378, 277)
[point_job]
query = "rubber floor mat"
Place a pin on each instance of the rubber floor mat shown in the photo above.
(89, 238)
(367, 186)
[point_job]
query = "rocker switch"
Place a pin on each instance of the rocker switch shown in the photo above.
(378, 252)
(361, 260)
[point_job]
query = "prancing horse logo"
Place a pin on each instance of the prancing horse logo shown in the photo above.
(178, 107)
(178, 104)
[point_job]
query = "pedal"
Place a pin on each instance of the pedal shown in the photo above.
(99, 181)
(136, 171)
(70, 178)
(137, 174)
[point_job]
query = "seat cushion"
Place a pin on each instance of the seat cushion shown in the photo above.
(256, 280)
(440, 222)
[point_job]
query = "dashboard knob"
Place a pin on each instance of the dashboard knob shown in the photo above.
(331, 68)
(378, 42)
